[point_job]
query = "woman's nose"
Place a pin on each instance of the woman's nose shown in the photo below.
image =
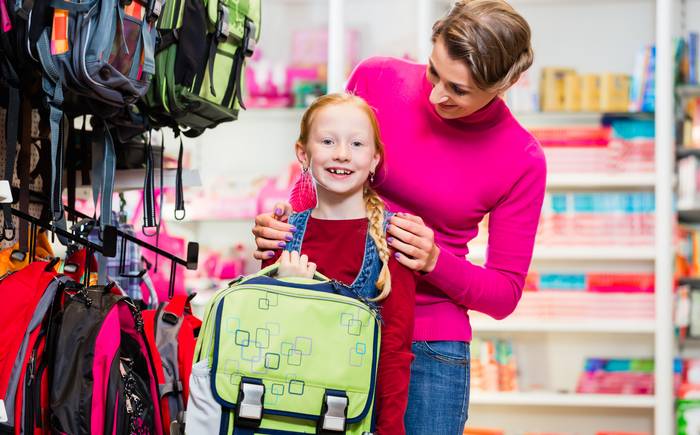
(438, 94)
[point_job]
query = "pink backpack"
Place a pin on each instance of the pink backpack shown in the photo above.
(104, 381)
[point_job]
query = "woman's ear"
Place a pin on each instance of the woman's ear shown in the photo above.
(302, 157)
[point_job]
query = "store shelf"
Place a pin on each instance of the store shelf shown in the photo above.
(600, 181)
(574, 118)
(580, 253)
(603, 326)
(563, 400)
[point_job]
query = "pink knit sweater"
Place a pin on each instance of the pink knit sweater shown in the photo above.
(452, 173)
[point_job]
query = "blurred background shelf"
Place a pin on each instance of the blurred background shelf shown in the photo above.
(562, 399)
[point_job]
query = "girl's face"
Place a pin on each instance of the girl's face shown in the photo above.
(340, 151)
(454, 93)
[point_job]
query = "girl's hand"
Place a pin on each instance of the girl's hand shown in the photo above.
(414, 241)
(293, 265)
(271, 231)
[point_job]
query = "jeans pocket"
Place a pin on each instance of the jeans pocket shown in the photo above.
(451, 352)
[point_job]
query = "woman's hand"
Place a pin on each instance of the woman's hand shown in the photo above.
(271, 231)
(293, 265)
(414, 241)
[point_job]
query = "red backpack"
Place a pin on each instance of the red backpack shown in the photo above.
(30, 301)
(172, 332)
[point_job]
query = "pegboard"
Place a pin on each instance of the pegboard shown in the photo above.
(34, 209)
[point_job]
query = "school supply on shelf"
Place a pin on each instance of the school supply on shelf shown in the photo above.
(621, 376)
(564, 90)
(623, 145)
(493, 365)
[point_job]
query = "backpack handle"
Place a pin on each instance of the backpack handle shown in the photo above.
(271, 271)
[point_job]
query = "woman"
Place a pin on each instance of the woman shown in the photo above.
(454, 153)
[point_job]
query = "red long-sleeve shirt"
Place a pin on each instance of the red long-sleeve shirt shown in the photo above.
(337, 247)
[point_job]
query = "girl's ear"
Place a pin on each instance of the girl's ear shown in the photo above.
(375, 162)
(302, 157)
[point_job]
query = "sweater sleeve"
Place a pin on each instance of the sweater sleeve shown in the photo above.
(395, 356)
(495, 288)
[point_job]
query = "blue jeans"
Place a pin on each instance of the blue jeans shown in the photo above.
(438, 397)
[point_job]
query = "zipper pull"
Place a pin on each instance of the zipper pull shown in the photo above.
(30, 368)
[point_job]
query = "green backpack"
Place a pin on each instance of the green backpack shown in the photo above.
(201, 51)
(285, 356)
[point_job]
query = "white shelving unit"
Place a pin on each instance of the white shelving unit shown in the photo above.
(580, 253)
(563, 400)
(564, 181)
(605, 326)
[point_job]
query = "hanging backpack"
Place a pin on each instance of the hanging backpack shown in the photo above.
(288, 356)
(199, 62)
(97, 57)
(104, 381)
(30, 300)
(172, 332)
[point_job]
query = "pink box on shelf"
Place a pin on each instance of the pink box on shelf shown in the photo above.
(310, 46)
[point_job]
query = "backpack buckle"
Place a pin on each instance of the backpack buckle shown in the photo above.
(249, 41)
(170, 318)
(333, 413)
(154, 10)
(249, 409)
(222, 25)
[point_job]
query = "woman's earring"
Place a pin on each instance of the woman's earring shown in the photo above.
(371, 177)
(303, 195)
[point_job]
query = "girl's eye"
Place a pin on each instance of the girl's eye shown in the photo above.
(327, 142)
(357, 144)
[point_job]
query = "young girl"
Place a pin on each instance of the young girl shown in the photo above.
(344, 236)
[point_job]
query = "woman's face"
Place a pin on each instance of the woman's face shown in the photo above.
(454, 93)
(340, 151)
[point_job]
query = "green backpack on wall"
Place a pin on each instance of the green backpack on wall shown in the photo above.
(201, 51)
(285, 356)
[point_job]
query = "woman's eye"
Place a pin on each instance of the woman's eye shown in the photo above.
(459, 91)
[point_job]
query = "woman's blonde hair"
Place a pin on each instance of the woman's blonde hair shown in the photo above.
(491, 38)
(373, 203)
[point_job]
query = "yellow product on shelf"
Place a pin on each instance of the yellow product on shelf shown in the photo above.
(614, 92)
(572, 92)
(590, 93)
(552, 89)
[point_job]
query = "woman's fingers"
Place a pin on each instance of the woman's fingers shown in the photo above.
(281, 211)
(405, 248)
(263, 255)
(410, 217)
(415, 225)
(410, 238)
(409, 262)
(269, 228)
